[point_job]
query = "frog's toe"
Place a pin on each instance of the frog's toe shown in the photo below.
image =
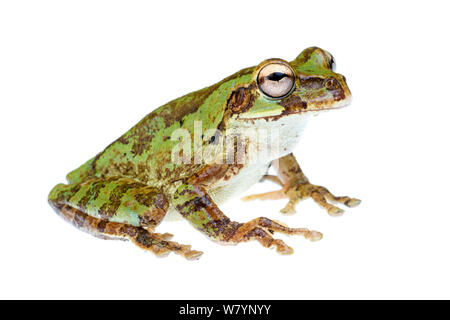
(290, 207)
(335, 211)
(352, 202)
(193, 255)
(161, 252)
(183, 250)
(161, 247)
(282, 248)
(262, 229)
(165, 236)
(347, 201)
(315, 236)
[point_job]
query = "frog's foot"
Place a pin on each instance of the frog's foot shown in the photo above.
(157, 243)
(295, 186)
(303, 191)
(260, 229)
(320, 195)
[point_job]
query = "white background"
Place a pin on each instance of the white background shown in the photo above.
(75, 75)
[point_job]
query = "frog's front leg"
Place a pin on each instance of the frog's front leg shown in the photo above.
(194, 204)
(118, 208)
(296, 187)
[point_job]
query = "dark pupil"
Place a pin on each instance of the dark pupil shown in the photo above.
(276, 76)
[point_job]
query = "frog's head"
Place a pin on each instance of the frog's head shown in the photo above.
(278, 88)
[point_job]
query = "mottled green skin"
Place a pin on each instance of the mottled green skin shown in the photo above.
(114, 199)
(133, 180)
(144, 152)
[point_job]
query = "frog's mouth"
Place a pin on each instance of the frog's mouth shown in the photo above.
(293, 106)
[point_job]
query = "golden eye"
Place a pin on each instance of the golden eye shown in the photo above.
(276, 80)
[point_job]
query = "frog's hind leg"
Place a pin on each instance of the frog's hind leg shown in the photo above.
(157, 243)
(118, 208)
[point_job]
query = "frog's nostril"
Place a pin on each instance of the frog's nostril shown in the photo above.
(329, 83)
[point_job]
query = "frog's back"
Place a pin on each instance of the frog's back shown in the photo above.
(144, 152)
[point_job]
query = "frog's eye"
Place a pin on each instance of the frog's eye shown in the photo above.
(276, 80)
(332, 63)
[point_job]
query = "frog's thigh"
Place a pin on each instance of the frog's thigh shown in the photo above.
(157, 243)
(119, 200)
(118, 208)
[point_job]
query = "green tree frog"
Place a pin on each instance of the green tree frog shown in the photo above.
(193, 153)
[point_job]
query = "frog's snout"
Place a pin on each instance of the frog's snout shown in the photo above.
(323, 92)
(347, 95)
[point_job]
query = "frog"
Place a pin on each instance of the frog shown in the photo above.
(125, 191)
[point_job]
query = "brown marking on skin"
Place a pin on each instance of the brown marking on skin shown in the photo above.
(123, 140)
(176, 110)
(209, 174)
(233, 171)
(213, 210)
(161, 202)
(142, 143)
(338, 92)
(146, 198)
(113, 228)
(65, 195)
(127, 169)
(94, 162)
(217, 221)
(314, 84)
(157, 204)
(91, 194)
(305, 55)
(128, 230)
(335, 88)
(142, 173)
(101, 226)
(241, 99)
(293, 104)
(79, 220)
(109, 209)
(221, 126)
(309, 83)
(141, 237)
(151, 218)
